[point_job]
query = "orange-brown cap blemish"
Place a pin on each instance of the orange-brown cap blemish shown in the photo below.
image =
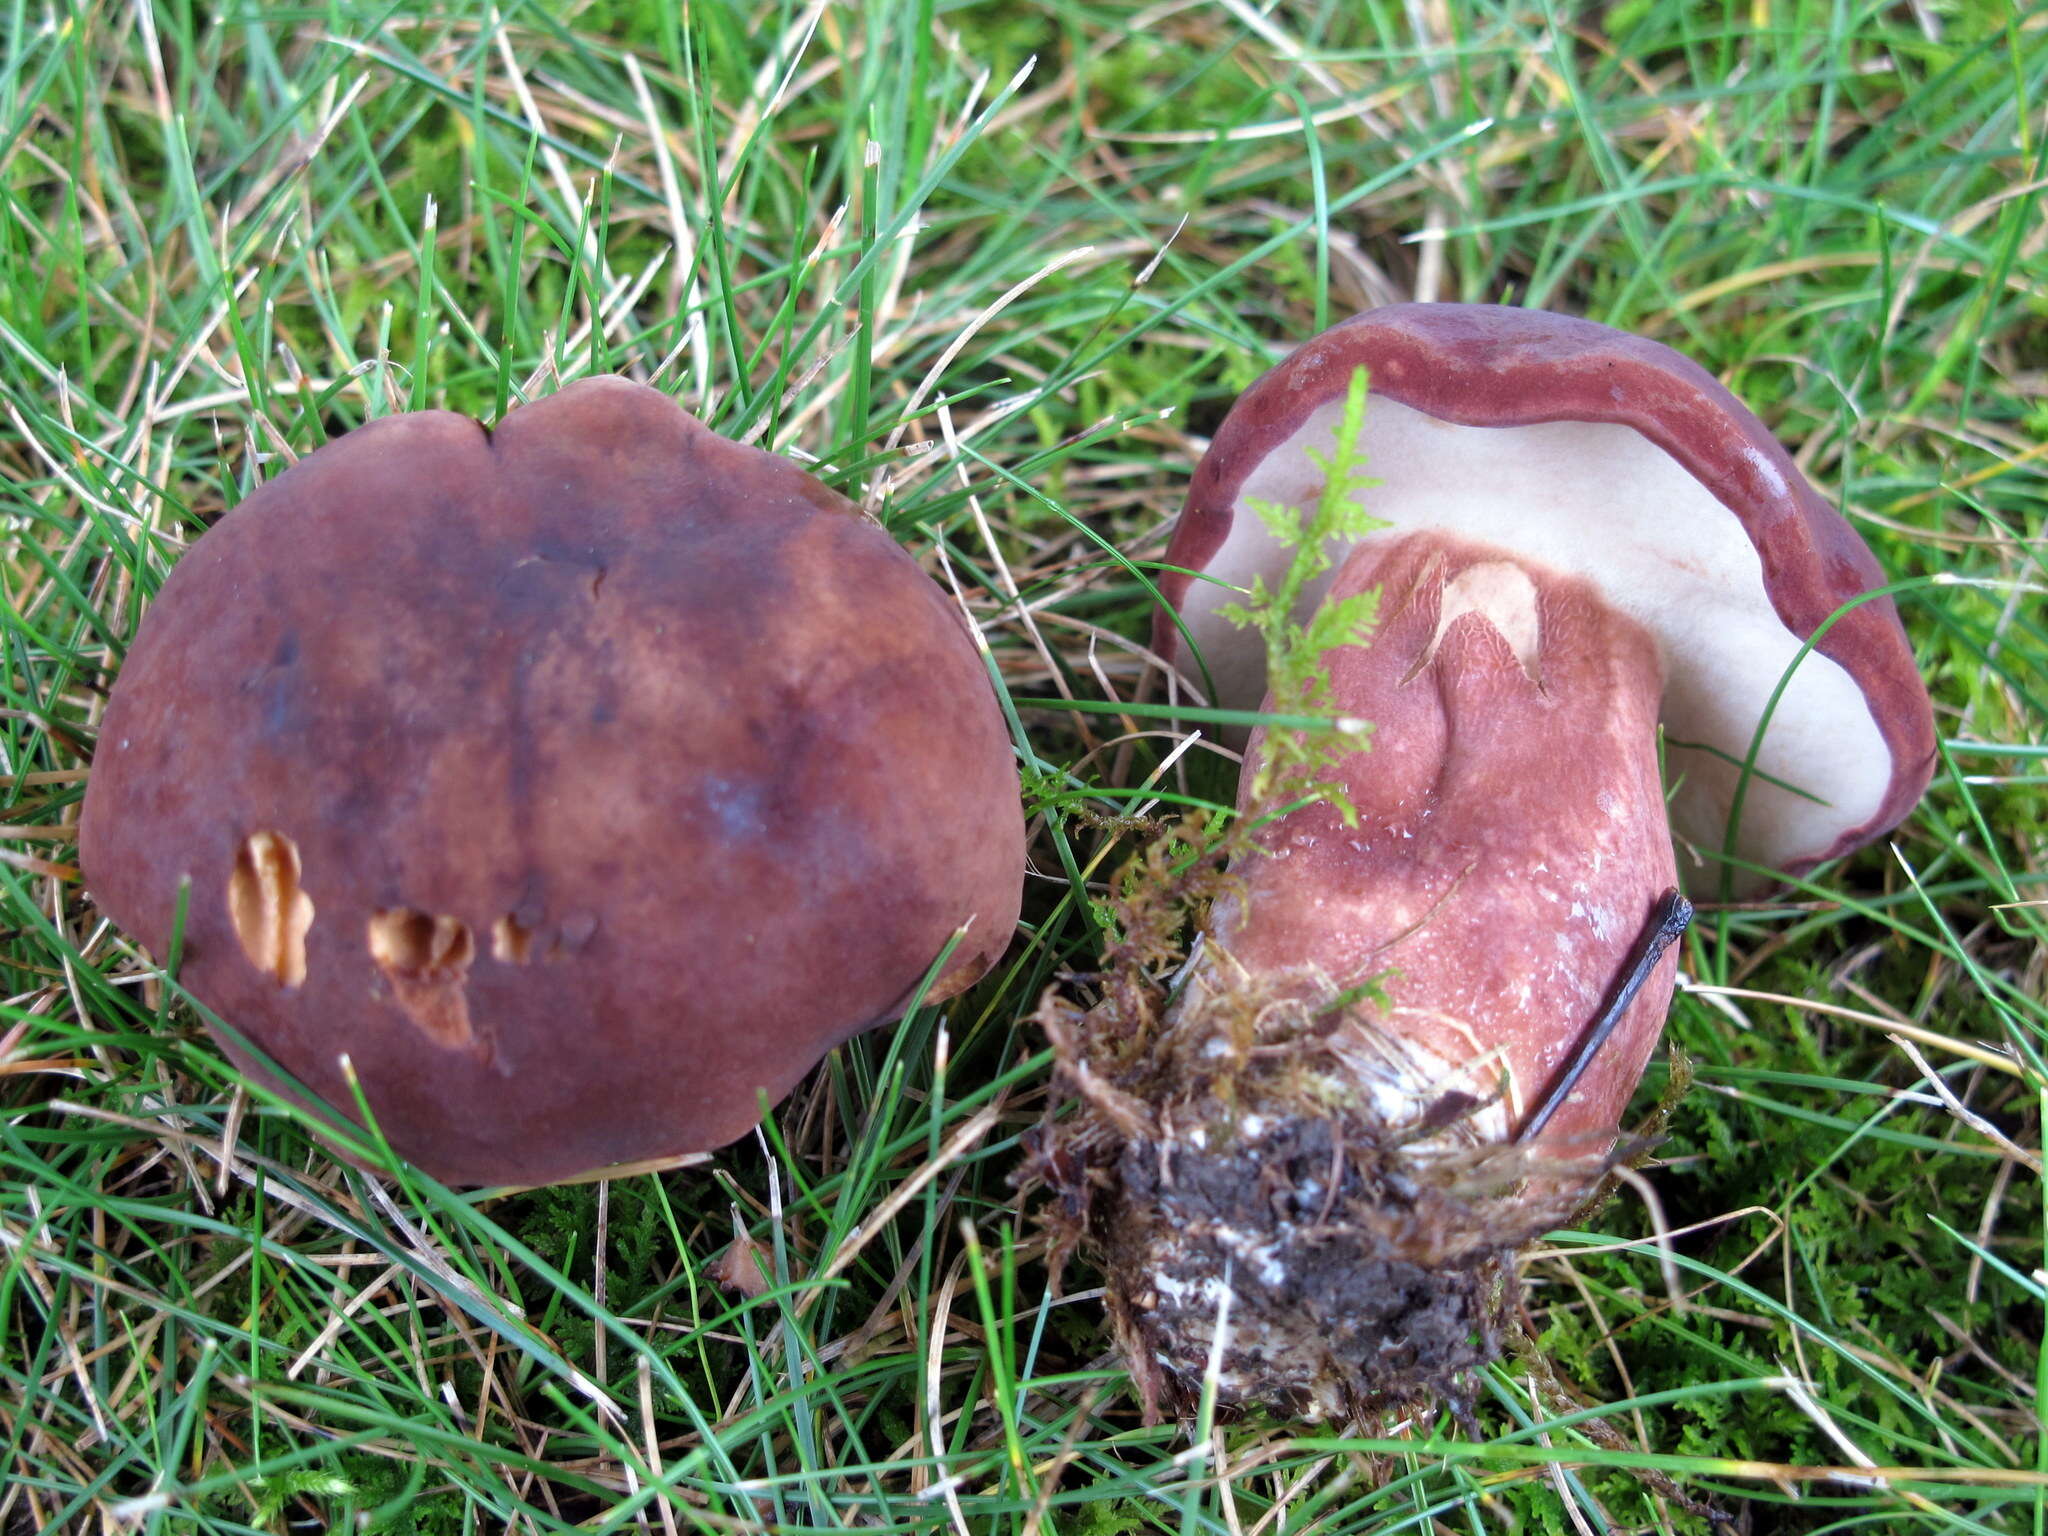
(269, 911)
(426, 958)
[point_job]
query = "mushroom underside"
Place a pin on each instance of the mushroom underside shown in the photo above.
(1602, 501)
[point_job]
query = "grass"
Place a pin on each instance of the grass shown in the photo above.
(998, 270)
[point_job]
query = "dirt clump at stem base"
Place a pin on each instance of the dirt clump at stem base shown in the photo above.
(1274, 1203)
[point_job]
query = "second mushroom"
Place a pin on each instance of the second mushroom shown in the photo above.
(1366, 1093)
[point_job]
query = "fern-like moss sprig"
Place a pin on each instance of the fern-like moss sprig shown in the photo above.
(1292, 762)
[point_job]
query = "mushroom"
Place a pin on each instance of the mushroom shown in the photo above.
(1416, 1021)
(574, 784)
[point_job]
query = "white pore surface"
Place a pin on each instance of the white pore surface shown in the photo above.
(1604, 502)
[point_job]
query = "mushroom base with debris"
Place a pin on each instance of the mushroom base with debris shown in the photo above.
(1301, 1213)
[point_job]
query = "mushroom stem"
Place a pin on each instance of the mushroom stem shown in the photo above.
(1510, 841)
(1383, 1001)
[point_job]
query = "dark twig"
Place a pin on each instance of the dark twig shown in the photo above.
(1670, 919)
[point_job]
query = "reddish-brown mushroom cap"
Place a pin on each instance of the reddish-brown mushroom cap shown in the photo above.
(579, 782)
(1629, 464)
